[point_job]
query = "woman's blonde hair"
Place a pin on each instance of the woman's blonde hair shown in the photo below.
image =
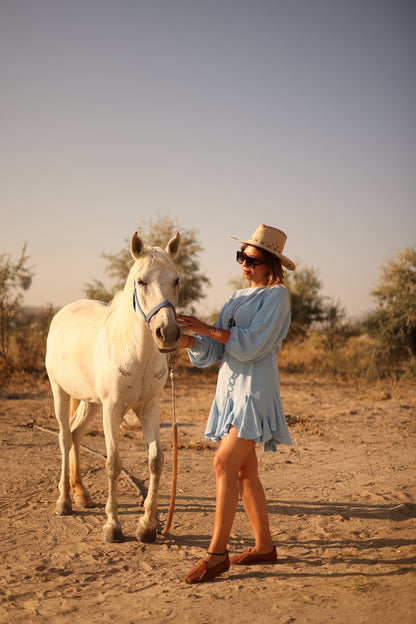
(276, 275)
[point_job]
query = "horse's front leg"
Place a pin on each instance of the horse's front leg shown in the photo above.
(111, 421)
(146, 527)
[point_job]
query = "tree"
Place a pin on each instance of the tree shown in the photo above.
(157, 234)
(306, 304)
(15, 278)
(393, 323)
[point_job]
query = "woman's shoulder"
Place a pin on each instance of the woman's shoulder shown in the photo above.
(242, 292)
(276, 294)
(278, 290)
(265, 292)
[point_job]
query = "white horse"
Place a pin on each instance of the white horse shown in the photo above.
(113, 356)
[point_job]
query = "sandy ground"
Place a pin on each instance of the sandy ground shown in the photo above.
(341, 500)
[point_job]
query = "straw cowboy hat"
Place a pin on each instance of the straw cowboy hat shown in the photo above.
(272, 240)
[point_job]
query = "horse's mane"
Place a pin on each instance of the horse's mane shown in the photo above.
(120, 316)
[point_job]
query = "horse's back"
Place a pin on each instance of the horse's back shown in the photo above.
(71, 343)
(81, 319)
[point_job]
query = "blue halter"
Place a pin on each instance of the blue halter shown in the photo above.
(163, 304)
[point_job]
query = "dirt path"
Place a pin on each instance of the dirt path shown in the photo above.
(341, 501)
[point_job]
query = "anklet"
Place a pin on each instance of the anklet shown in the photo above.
(217, 554)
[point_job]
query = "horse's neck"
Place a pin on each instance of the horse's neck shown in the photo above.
(142, 339)
(125, 331)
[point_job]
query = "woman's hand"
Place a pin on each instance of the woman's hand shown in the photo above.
(193, 324)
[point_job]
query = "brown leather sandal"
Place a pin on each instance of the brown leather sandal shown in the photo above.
(201, 573)
(247, 557)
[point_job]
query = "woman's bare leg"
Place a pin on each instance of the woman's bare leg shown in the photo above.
(229, 459)
(255, 505)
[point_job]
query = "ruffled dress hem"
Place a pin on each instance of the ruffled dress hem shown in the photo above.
(269, 430)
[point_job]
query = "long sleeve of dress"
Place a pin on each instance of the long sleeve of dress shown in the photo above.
(266, 330)
(205, 351)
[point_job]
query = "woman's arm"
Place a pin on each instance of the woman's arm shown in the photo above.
(186, 341)
(193, 324)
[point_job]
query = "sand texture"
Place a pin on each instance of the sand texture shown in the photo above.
(342, 510)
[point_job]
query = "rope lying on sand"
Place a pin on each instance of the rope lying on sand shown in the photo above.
(134, 482)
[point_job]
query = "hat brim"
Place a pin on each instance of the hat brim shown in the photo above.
(287, 262)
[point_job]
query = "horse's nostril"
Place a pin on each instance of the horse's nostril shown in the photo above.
(167, 334)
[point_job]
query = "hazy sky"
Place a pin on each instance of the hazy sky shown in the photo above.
(221, 114)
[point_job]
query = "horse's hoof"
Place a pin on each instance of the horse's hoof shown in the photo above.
(112, 534)
(83, 500)
(63, 509)
(146, 535)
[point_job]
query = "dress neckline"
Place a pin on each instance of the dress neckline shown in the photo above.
(231, 322)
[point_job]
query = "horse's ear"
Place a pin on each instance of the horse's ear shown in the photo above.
(172, 248)
(136, 246)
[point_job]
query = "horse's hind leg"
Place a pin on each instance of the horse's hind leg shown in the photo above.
(80, 413)
(61, 402)
(146, 527)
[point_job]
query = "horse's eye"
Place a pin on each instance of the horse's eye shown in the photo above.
(177, 282)
(140, 282)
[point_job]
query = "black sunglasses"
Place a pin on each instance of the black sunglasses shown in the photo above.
(249, 260)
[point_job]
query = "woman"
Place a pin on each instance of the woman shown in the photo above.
(246, 409)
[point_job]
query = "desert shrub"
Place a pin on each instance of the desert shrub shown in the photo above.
(27, 345)
(353, 356)
(409, 367)
(30, 341)
(306, 303)
(15, 278)
(393, 323)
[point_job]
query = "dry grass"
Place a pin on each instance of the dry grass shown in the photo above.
(350, 358)
(331, 358)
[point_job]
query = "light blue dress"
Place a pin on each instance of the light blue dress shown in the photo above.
(248, 386)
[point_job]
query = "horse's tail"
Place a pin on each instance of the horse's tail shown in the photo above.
(73, 407)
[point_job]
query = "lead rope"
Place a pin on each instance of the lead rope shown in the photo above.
(172, 360)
